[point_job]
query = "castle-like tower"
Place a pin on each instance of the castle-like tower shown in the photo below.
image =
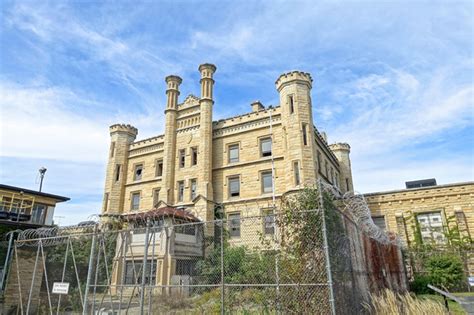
(243, 163)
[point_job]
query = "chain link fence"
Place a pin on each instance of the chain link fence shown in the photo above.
(305, 261)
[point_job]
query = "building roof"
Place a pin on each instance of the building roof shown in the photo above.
(417, 188)
(34, 192)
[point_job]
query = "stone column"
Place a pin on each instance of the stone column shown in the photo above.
(205, 132)
(169, 158)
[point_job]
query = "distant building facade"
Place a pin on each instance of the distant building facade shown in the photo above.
(434, 208)
(242, 162)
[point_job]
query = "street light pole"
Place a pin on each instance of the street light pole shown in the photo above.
(42, 171)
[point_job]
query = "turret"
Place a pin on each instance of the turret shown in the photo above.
(121, 136)
(297, 120)
(341, 151)
(172, 93)
(205, 130)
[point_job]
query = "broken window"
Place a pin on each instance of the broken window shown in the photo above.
(138, 172)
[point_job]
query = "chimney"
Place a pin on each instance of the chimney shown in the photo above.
(257, 106)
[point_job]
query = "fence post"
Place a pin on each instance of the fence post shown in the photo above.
(222, 267)
(89, 272)
(145, 258)
(326, 249)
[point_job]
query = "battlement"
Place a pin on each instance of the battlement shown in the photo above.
(340, 147)
(293, 76)
(124, 128)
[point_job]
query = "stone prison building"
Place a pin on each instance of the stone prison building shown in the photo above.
(243, 163)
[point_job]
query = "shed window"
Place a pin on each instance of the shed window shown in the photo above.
(267, 182)
(135, 201)
(233, 153)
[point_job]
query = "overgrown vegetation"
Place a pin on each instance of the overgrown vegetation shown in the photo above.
(389, 303)
(441, 265)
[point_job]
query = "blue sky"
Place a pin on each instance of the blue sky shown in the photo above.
(393, 79)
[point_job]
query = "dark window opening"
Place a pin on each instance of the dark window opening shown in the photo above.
(159, 168)
(266, 147)
(194, 156)
(290, 103)
(117, 172)
(234, 187)
(138, 172)
(305, 134)
(182, 158)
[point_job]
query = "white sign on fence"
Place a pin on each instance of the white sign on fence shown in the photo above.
(61, 287)
(471, 281)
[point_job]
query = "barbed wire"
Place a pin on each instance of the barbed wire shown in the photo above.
(358, 208)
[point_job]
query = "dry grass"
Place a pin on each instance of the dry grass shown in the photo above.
(388, 303)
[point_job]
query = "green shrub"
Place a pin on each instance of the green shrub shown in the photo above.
(420, 284)
(445, 271)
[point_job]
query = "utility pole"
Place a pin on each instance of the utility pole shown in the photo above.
(42, 171)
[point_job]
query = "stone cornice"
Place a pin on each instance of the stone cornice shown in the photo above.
(145, 150)
(246, 126)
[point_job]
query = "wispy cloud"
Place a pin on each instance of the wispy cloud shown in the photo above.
(394, 80)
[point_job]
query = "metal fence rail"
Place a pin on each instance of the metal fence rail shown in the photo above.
(314, 261)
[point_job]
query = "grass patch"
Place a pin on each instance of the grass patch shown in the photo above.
(454, 307)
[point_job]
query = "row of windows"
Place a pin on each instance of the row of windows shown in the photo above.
(234, 223)
(233, 183)
(430, 224)
(233, 157)
(266, 179)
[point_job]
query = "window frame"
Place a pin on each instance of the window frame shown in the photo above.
(261, 141)
(192, 194)
(262, 174)
(135, 168)
(132, 194)
(194, 156)
(230, 147)
(182, 158)
(268, 212)
(428, 215)
(304, 132)
(118, 169)
(291, 103)
(180, 185)
(380, 217)
(232, 227)
(229, 190)
(155, 196)
(158, 168)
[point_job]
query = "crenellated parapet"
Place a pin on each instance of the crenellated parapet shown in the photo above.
(340, 146)
(124, 128)
(293, 76)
